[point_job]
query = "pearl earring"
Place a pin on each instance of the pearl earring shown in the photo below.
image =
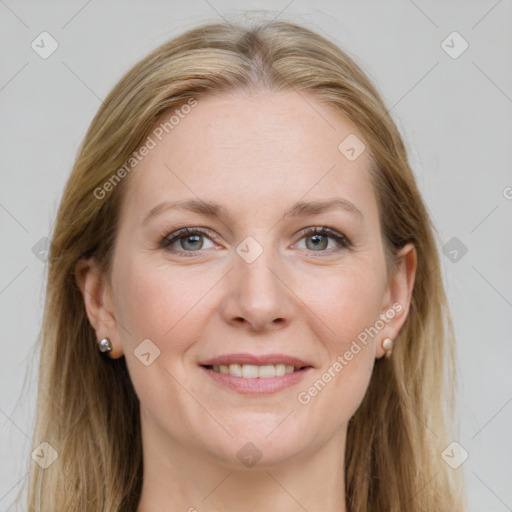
(387, 345)
(104, 345)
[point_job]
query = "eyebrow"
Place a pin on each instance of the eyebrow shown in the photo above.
(215, 210)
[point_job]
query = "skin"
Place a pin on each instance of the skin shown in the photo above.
(256, 154)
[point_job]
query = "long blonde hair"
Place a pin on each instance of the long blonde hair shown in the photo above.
(87, 408)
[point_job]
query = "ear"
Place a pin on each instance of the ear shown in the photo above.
(397, 298)
(97, 294)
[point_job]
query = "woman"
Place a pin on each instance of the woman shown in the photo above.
(245, 308)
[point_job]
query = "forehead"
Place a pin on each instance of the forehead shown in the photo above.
(254, 150)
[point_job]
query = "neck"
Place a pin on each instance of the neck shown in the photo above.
(181, 478)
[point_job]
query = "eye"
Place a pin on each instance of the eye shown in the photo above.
(319, 239)
(190, 240)
(187, 241)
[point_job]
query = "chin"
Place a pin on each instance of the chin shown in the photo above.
(257, 447)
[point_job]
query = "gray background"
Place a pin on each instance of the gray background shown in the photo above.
(455, 115)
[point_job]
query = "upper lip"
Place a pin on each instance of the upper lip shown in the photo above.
(260, 360)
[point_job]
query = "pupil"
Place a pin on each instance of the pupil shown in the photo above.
(319, 238)
(194, 238)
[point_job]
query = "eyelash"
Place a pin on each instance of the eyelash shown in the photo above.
(168, 240)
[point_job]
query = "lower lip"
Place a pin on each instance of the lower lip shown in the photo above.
(258, 385)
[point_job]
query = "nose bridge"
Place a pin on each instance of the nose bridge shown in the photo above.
(259, 276)
(256, 292)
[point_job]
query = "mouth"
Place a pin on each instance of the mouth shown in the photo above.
(253, 371)
(250, 374)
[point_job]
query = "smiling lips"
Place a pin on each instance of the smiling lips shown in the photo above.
(247, 373)
(253, 371)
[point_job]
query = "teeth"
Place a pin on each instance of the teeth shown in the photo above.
(280, 370)
(266, 372)
(252, 371)
(235, 370)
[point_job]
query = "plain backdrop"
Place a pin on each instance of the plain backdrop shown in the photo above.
(452, 103)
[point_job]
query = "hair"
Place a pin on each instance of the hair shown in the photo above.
(87, 408)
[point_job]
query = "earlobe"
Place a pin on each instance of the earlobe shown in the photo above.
(96, 295)
(398, 296)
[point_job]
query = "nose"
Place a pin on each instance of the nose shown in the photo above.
(257, 295)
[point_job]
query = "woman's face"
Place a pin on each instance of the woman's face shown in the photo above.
(250, 282)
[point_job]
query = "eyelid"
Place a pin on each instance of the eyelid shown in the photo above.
(174, 236)
(342, 240)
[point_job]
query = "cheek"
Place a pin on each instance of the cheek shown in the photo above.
(348, 306)
(156, 302)
(346, 301)
(159, 303)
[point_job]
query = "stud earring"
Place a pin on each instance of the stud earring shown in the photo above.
(104, 345)
(387, 345)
